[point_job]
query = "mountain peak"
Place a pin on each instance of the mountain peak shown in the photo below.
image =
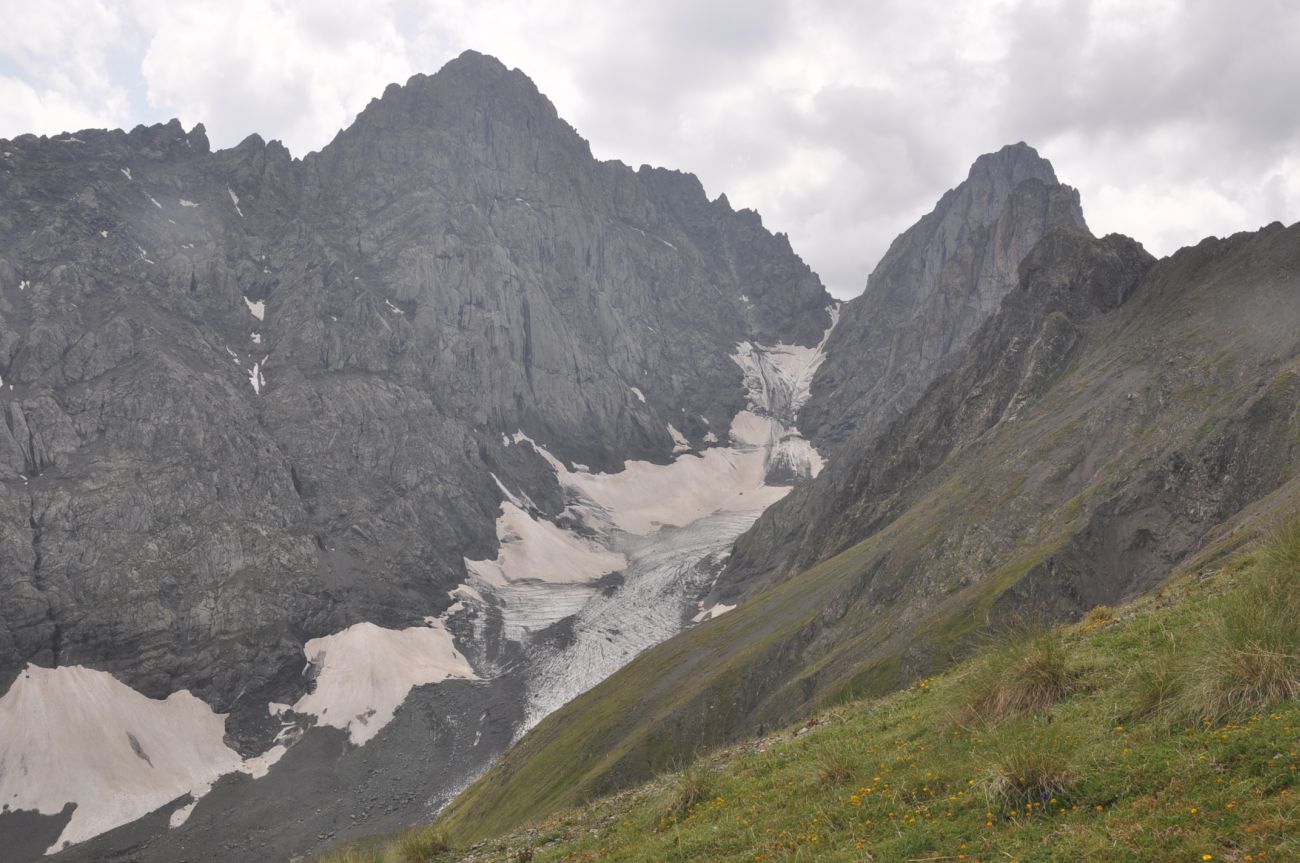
(939, 280)
(1013, 164)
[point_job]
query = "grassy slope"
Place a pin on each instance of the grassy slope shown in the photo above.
(910, 777)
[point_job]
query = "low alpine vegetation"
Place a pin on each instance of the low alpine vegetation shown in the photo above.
(1183, 746)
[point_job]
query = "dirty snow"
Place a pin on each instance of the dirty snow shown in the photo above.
(73, 734)
(366, 671)
(537, 550)
(680, 443)
(716, 610)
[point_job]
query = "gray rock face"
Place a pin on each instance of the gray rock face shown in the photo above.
(250, 400)
(936, 284)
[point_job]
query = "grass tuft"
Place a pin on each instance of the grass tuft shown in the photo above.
(421, 845)
(1027, 675)
(1157, 683)
(691, 788)
(1248, 655)
(834, 769)
(1030, 770)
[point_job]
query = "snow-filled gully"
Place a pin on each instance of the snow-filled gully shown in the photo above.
(653, 538)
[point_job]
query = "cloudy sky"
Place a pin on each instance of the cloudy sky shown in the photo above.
(841, 121)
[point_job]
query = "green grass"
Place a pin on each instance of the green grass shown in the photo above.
(1152, 732)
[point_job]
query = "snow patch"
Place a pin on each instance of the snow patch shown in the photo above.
(640, 395)
(234, 199)
(256, 378)
(257, 308)
(154, 201)
(73, 734)
(710, 613)
(259, 765)
(536, 550)
(186, 203)
(126, 172)
(392, 308)
(24, 285)
(104, 234)
(366, 671)
(680, 443)
(256, 338)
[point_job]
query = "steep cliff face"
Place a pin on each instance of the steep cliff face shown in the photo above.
(936, 284)
(251, 401)
(1116, 418)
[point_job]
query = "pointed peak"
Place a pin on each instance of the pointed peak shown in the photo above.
(470, 59)
(470, 77)
(1013, 164)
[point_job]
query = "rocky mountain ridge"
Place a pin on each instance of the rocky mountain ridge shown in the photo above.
(261, 413)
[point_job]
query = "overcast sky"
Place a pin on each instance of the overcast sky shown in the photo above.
(841, 122)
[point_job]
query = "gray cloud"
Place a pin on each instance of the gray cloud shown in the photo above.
(841, 122)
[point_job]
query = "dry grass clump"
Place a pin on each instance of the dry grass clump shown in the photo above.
(1156, 683)
(1029, 770)
(691, 788)
(835, 768)
(1027, 675)
(1098, 617)
(1248, 654)
(422, 845)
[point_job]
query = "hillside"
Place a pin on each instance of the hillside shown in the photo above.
(1152, 732)
(1117, 417)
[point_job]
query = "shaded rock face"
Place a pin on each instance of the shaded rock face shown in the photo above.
(249, 400)
(936, 284)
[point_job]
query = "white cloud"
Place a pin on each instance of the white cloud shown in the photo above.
(54, 66)
(294, 71)
(841, 122)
